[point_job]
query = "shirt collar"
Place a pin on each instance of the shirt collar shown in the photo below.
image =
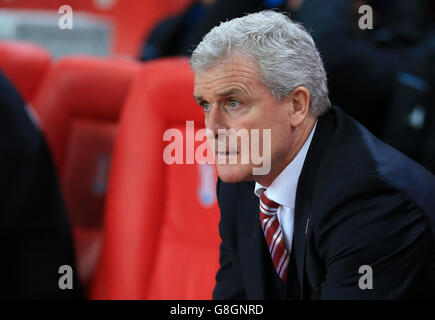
(283, 189)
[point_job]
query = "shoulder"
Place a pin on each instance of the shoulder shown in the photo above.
(229, 197)
(227, 194)
(237, 202)
(371, 182)
(355, 155)
(356, 162)
(369, 215)
(364, 186)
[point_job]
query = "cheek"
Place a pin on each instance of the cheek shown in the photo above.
(253, 123)
(281, 138)
(264, 134)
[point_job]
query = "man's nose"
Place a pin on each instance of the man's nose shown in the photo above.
(214, 121)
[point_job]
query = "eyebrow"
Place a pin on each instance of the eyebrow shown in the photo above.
(198, 98)
(230, 92)
(220, 94)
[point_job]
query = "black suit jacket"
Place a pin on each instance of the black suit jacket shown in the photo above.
(35, 234)
(359, 202)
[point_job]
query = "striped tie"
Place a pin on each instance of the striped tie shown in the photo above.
(273, 234)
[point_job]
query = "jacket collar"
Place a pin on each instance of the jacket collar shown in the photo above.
(324, 131)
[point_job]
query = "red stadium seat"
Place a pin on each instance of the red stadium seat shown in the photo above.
(25, 65)
(79, 106)
(161, 222)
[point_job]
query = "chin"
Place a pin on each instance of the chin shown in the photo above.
(234, 173)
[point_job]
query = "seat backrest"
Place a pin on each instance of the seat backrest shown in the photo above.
(25, 65)
(161, 221)
(79, 106)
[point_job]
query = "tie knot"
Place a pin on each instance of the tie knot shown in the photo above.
(267, 206)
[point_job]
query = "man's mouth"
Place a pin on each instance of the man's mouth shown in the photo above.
(227, 153)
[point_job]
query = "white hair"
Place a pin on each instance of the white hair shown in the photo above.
(283, 50)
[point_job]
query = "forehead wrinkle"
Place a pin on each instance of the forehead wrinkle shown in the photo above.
(220, 83)
(231, 91)
(232, 87)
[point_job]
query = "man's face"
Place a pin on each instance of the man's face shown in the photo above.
(233, 96)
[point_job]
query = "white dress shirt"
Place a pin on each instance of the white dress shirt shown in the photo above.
(283, 191)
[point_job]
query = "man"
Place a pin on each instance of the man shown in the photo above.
(339, 215)
(35, 235)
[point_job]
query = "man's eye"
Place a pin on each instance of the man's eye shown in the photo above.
(205, 105)
(234, 103)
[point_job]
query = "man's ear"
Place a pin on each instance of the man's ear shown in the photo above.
(299, 100)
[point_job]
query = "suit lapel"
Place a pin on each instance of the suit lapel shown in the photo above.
(322, 135)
